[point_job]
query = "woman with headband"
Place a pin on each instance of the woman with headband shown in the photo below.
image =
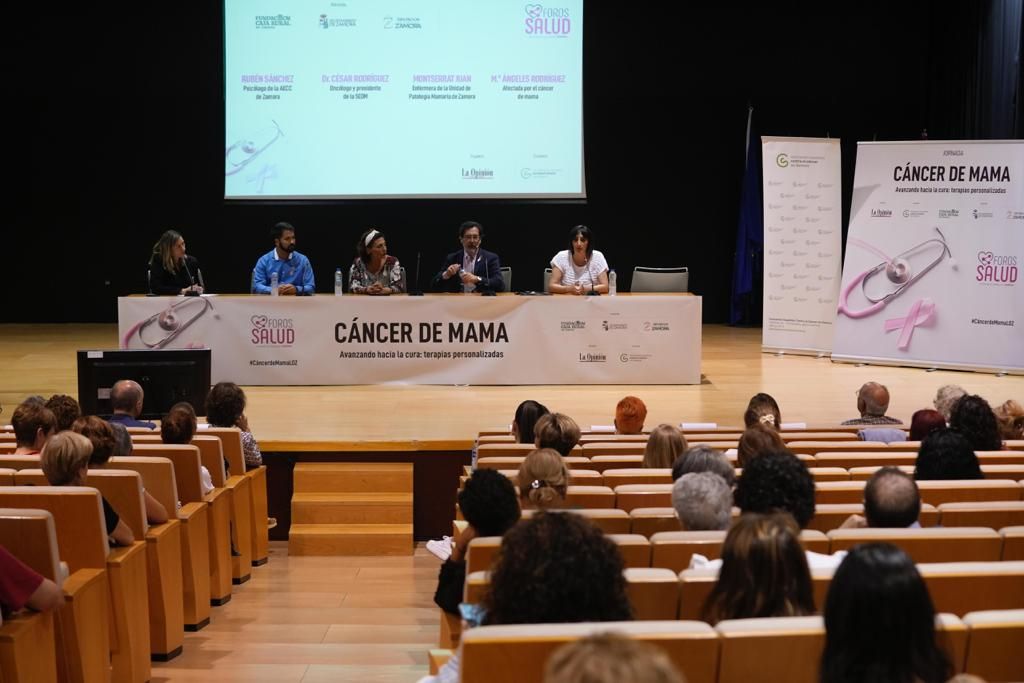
(373, 271)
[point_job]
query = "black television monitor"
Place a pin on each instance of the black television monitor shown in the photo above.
(166, 376)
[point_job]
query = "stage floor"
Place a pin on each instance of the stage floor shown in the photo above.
(40, 359)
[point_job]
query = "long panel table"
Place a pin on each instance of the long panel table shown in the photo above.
(434, 339)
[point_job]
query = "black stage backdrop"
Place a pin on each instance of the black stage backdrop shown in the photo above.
(114, 129)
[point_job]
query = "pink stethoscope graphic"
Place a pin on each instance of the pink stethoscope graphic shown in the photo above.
(900, 274)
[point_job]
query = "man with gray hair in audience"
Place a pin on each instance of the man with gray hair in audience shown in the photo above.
(703, 502)
(891, 501)
(872, 402)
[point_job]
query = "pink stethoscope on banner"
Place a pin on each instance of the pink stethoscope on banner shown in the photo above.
(898, 272)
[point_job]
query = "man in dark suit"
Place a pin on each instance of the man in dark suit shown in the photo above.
(471, 269)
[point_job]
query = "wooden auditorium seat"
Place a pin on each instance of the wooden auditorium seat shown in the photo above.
(480, 553)
(7, 476)
(505, 462)
(621, 448)
(82, 543)
(637, 475)
(873, 459)
(608, 520)
(8, 447)
(490, 450)
(994, 650)
(19, 462)
(649, 521)
(1013, 543)
(631, 496)
(608, 462)
(188, 481)
(653, 592)
(518, 653)
(815, 448)
(937, 544)
(865, 473)
(582, 496)
(158, 478)
(932, 492)
(635, 549)
(962, 587)
(28, 640)
(821, 474)
(775, 649)
(1014, 457)
(673, 549)
(990, 514)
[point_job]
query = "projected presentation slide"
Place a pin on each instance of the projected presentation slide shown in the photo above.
(403, 98)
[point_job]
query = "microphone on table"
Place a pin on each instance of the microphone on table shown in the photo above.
(415, 290)
(592, 292)
(192, 280)
(487, 276)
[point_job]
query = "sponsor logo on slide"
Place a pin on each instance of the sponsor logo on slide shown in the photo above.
(593, 357)
(981, 214)
(573, 325)
(782, 160)
(881, 213)
(996, 269)
(656, 327)
(607, 326)
(267, 331)
(326, 22)
(1015, 215)
(477, 174)
(914, 213)
(531, 173)
(403, 23)
(633, 357)
(265, 21)
(547, 21)
(949, 213)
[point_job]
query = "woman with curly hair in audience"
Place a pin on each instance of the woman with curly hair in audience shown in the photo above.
(225, 407)
(764, 571)
(1010, 416)
(554, 568)
(973, 417)
(946, 454)
(543, 480)
(880, 621)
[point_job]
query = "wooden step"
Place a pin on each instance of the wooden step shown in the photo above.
(352, 508)
(350, 539)
(342, 477)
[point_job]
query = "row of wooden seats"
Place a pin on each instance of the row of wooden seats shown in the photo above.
(616, 476)
(648, 521)
(591, 447)
(631, 496)
(956, 587)
(984, 643)
(689, 428)
(673, 549)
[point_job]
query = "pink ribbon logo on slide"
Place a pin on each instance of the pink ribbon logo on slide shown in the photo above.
(920, 314)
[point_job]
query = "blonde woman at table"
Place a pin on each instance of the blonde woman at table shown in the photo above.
(580, 269)
(374, 272)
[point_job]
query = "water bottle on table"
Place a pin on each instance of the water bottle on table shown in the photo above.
(273, 284)
(338, 290)
(612, 278)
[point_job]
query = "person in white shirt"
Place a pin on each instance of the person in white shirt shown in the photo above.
(580, 269)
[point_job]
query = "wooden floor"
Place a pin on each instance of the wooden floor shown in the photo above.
(372, 619)
(39, 359)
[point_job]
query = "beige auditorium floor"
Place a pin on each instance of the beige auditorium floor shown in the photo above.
(316, 619)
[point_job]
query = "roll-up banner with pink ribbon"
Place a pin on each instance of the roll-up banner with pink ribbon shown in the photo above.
(932, 275)
(802, 243)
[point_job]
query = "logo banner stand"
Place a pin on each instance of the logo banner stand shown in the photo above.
(802, 243)
(933, 257)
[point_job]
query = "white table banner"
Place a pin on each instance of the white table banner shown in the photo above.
(445, 339)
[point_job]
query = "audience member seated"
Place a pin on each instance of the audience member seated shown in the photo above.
(762, 409)
(1010, 416)
(891, 501)
(543, 480)
(610, 658)
(973, 417)
(630, 414)
(178, 427)
(703, 502)
(557, 431)
(104, 442)
(946, 397)
(924, 422)
(704, 458)
(880, 621)
(872, 402)
(65, 410)
(21, 587)
(33, 424)
(665, 444)
(757, 439)
(552, 568)
(65, 461)
(122, 441)
(225, 407)
(946, 454)
(126, 398)
(488, 502)
(525, 420)
(763, 572)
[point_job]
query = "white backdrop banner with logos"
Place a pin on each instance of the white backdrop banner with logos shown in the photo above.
(802, 242)
(933, 256)
(444, 339)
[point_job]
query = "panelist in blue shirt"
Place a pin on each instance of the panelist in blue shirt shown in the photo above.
(294, 272)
